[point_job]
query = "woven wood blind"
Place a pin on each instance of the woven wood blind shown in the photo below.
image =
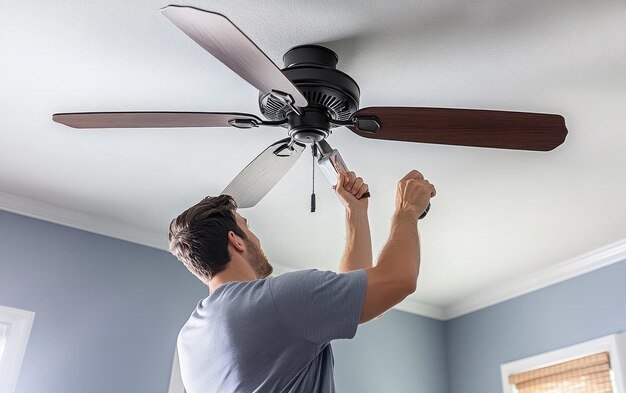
(590, 374)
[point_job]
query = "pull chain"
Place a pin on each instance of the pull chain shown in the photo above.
(314, 152)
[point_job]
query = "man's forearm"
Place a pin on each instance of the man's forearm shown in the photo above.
(358, 252)
(401, 255)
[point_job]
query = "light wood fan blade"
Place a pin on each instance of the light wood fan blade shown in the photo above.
(221, 38)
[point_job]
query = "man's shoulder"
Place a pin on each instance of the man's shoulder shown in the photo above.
(234, 296)
(304, 273)
(296, 273)
(306, 280)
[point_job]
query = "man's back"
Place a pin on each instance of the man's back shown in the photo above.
(270, 335)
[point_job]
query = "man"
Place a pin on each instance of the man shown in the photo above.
(256, 333)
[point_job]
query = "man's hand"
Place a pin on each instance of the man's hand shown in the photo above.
(414, 193)
(350, 189)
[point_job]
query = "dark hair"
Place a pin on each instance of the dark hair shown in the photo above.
(199, 236)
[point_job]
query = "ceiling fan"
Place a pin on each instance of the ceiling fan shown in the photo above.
(310, 97)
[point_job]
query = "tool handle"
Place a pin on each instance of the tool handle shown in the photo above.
(425, 212)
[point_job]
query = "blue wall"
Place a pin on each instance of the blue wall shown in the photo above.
(577, 310)
(108, 311)
(398, 353)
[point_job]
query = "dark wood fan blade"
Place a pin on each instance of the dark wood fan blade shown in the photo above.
(465, 127)
(151, 119)
(221, 38)
(263, 173)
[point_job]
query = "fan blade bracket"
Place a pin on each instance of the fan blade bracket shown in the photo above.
(286, 99)
(369, 124)
(243, 123)
(280, 150)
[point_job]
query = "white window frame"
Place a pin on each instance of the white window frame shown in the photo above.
(20, 324)
(614, 344)
(176, 380)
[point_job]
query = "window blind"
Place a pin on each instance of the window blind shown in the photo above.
(589, 374)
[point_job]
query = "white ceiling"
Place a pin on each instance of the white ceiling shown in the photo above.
(499, 215)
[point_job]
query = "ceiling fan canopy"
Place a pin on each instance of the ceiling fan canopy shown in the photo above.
(310, 97)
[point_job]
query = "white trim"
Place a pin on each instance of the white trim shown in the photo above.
(619, 362)
(413, 306)
(20, 324)
(80, 220)
(614, 344)
(593, 260)
(551, 275)
(176, 380)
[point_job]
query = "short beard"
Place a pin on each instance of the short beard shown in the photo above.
(258, 261)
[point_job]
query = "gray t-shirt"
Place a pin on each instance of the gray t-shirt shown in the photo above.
(270, 335)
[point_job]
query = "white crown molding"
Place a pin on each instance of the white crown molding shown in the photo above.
(413, 306)
(80, 220)
(596, 259)
(586, 263)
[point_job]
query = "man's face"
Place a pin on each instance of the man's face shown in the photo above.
(256, 257)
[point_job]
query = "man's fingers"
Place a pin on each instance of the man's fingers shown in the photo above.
(423, 183)
(432, 189)
(349, 181)
(357, 184)
(362, 190)
(340, 179)
(414, 174)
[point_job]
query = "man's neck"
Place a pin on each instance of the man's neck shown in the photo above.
(236, 270)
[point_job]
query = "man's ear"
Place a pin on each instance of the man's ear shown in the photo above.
(236, 241)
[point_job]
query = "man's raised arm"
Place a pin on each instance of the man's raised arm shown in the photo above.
(395, 275)
(358, 251)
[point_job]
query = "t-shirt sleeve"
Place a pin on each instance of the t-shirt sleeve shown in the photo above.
(320, 306)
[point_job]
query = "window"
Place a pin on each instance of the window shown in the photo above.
(15, 328)
(592, 367)
(587, 374)
(4, 334)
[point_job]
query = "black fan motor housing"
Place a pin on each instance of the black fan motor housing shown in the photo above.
(312, 69)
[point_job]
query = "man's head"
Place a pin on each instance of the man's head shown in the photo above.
(204, 236)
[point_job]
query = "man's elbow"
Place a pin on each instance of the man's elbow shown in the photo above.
(409, 286)
(403, 282)
(405, 286)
